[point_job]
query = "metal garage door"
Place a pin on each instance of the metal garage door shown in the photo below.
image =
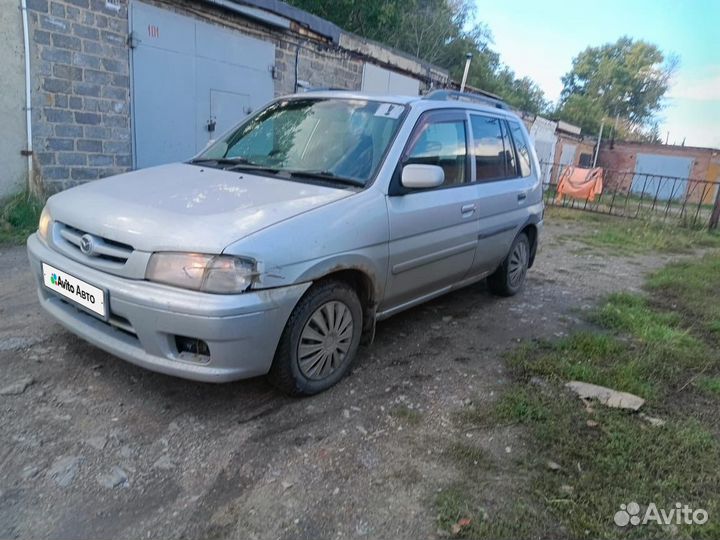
(542, 133)
(567, 155)
(379, 81)
(661, 176)
(188, 77)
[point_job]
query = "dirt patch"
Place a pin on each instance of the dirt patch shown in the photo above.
(194, 460)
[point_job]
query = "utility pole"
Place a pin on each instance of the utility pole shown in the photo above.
(597, 150)
(468, 57)
(715, 216)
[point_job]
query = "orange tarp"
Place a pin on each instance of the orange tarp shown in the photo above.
(585, 184)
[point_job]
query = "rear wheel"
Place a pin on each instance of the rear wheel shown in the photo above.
(320, 340)
(509, 278)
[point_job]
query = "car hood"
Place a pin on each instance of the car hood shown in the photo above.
(183, 207)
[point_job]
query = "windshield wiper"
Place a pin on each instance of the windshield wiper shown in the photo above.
(327, 175)
(219, 161)
(233, 164)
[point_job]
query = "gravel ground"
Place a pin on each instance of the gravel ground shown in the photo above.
(94, 447)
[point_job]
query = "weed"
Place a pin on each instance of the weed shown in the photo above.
(19, 217)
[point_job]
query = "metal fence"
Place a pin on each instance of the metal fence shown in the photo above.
(682, 201)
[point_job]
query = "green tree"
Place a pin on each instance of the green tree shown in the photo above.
(625, 80)
(441, 32)
(522, 93)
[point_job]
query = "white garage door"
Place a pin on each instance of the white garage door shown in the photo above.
(542, 133)
(191, 82)
(379, 81)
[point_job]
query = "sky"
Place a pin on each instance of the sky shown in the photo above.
(539, 38)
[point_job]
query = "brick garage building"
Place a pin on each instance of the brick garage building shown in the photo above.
(118, 85)
(665, 170)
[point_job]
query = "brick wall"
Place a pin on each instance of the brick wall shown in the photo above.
(320, 68)
(81, 79)
(81, 84)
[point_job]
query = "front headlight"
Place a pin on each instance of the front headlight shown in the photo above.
(221, 274)
(44, 224)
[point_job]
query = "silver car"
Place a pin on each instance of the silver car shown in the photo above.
(279, 247)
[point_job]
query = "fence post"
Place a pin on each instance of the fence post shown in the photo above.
(715, 216)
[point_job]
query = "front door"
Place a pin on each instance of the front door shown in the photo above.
(433, 232)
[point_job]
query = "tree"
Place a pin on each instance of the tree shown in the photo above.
(523, 93)
(625, 80)
(440, 32)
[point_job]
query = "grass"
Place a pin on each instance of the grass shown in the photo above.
(468, 455)
(691, 289)
(710, 385)
(407, 415)
(631, 236)
(453, 504)
(19, 216)
(661, 346)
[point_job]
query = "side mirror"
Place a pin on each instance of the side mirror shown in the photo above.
(422, 176)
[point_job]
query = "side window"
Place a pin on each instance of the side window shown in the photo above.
(521, 145)
(494, 159)
(443, 144)
(489, 150)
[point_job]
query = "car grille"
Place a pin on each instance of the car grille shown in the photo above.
(103, 248)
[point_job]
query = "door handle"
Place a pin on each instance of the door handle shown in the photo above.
(467, 210)
(522, 196)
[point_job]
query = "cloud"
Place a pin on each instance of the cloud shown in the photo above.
(702, 87)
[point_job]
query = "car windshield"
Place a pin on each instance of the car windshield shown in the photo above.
(340, 139)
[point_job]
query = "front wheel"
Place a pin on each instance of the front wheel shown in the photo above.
(509, 278)
(320, 340)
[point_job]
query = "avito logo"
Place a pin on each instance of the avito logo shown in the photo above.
(62, 283)
(58, 281)
(629, 514)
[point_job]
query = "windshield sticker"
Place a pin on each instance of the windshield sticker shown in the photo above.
(389, 110)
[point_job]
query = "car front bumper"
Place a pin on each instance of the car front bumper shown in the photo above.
(241, 330)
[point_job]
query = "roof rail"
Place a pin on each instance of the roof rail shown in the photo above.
(486, 98)
(325, 89)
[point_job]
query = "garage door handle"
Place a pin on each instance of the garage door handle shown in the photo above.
(467, 210)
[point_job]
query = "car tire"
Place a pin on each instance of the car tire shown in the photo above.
(509, 278)
(316, 349)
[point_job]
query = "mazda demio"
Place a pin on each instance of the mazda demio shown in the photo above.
(277, 249)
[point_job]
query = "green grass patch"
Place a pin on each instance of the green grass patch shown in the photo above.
(519, 406)
(710, 385)
(453, 504)
(19, 218)
(691, 288)
(458, 502)
(661, 346)
(630, 236)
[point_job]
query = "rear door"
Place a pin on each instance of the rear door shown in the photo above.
(433, 232)
(502, 176)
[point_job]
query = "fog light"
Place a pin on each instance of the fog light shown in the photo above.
(192, 346)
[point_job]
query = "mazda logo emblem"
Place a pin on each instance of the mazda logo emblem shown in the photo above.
(87, 246)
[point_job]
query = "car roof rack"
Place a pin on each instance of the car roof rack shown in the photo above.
(484, 98)
(325, 89)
